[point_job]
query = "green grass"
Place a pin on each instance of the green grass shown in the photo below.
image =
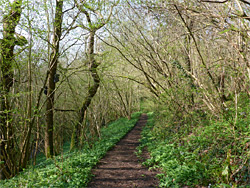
(73, 169)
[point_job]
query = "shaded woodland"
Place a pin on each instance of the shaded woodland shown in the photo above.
(70, 67)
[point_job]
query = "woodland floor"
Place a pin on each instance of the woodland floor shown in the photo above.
(121, 167)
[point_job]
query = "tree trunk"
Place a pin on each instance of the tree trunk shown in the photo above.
(188, 61)
(25, 152)
(7, 145)
(49, 149)
(92, 90)
(92, 28)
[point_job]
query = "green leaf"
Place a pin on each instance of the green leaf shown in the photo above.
(225, 172)
(224, 31)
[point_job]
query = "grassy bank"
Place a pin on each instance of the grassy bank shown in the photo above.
(73, 169)
(211, 153)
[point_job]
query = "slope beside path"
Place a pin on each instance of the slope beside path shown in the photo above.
(121, 167)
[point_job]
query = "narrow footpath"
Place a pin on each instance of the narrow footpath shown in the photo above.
(121, 167)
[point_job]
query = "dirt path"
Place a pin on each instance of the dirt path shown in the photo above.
(121, 167)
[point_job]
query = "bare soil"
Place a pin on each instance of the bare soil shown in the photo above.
(121, 167)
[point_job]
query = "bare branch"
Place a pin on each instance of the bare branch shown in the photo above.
(62, 110)
(246, 2)
(211, 1)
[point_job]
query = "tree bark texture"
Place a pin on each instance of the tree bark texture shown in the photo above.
(9, 166)
(49, 149)
(93, 89)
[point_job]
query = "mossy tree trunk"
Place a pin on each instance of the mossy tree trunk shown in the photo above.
(93, 27)
(93, 89)
(49, 149)
(8, 155)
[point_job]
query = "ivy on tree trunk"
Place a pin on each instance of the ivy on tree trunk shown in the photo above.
(8, 157)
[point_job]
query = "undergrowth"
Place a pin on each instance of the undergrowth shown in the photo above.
(73, 169)
(199, 150)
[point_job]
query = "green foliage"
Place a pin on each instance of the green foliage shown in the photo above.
(73, 169)
(196, 151)
(20, 40)
(72, 143)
